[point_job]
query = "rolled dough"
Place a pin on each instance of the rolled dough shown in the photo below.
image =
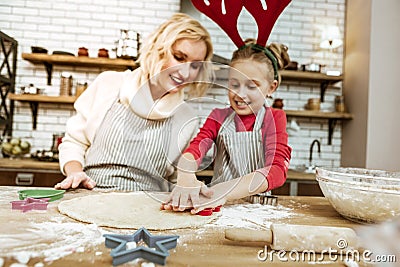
(129, 210)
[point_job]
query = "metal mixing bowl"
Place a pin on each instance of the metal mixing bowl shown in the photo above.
(361, 195)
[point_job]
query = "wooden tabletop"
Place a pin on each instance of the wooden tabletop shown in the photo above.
(27, 163)
(205, 246)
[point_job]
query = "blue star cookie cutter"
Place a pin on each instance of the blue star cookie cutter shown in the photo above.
(156, 250)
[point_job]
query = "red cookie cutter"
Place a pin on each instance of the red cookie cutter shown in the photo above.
(209, 211)
(30, 204)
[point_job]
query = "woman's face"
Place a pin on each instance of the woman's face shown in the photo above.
(182, 67)
(248, 86)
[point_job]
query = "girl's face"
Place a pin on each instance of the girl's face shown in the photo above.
(248, 86)
(182, 67)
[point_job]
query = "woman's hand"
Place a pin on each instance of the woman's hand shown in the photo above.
(75, 179)
(186, 194)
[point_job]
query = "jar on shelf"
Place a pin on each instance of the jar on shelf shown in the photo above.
(313, 104)
(83, 52)
(65, 84)
(339, 103)
(80, 88)
(103, 53)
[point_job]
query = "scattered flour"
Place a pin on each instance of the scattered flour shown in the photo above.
(251, 215)
(147, 264)
(130, 245)
(80, 250)
(22, 257)
(64, 238)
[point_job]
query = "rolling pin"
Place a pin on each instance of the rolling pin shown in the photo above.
(299, 237)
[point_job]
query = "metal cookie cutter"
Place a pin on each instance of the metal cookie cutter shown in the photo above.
(209, 211)
(156, 250)
(30, 204)
(263, 199)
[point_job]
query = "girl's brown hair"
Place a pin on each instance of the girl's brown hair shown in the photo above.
(249, 53)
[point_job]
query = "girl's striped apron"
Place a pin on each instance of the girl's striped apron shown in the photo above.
(238, 153)
(129, 152)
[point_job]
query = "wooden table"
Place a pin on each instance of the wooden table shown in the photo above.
(204, 246)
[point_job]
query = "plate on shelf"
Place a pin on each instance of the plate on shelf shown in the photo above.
(63, 53)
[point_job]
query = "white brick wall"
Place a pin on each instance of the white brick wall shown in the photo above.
(70, 24)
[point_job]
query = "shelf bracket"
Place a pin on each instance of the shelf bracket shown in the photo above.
(49, 70)
(34, 108)
(331, 125)
(323, 87)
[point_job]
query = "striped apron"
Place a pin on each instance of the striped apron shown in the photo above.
(238, 153)
(129, 152)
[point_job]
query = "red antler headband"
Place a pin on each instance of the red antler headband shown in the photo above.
(265, 13)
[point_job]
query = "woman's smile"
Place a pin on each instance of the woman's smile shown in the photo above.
(177, 79)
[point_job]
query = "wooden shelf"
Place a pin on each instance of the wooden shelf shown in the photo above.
(65, 60)
(319, 114)
(314, 77)
(112, 63)
(34, 101)
(332, 117)
(308, 76)
(42, 98)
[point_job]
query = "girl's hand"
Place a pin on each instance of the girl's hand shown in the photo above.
(220, 195)
(75, 179)
(212, 202)
(186, 194)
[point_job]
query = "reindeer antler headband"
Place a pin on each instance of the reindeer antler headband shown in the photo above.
(265, 13)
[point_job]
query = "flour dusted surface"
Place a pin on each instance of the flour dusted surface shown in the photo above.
(129, 210)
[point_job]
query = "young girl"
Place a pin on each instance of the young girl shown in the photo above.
(252, 152)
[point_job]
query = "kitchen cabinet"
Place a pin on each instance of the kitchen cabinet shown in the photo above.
(28, 172)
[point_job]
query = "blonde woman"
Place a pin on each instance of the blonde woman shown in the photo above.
(131, 126)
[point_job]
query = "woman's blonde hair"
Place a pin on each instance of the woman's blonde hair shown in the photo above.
(249, 53)
(155, 52)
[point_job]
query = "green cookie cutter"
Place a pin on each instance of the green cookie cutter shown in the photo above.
(53, 194)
